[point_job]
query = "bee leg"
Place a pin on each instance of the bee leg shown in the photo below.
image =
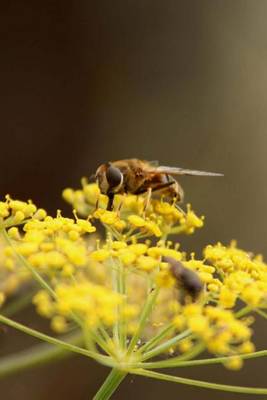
(110, 201)
(97, 203)
(120, 204)
(174, 203)
(147, 199)
(180, 209)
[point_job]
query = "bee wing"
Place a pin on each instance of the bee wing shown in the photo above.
(182, 171)
(153, 163)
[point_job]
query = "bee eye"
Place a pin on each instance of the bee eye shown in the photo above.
(114, 176)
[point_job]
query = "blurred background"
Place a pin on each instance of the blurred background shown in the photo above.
(182, 82)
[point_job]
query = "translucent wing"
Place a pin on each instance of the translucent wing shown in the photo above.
(182, 171)
(154, 163)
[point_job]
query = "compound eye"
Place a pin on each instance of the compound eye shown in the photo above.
(114, 177)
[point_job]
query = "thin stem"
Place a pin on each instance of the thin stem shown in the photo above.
(18, 304)
(175, 361)
(116, 288)
(151, 299)
(102, 343)
(261, 313)
(104, 334)
(67, 346)
(243, 311)
(203, 384)
(166, 345)
(121, 317)
(36, 356)
(109, 386)
(208, 361)
(156, 339)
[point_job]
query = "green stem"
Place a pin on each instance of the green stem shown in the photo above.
(156, 339)
(111, 383)
(118, 282)
(121, 317)
(67, 346)
(104, 334)
(35, 356)
(166, 345)
(208, 361)
(151, 299)
(18, 304)
(203, 384)
(116, 288)
(175, 361)
(243, 311)
(261, 313)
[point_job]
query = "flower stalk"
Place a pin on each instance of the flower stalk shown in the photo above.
(109, 386)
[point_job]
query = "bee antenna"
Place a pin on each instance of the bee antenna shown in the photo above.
(180, 209)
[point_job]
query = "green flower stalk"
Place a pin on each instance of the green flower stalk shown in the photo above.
(132, 300)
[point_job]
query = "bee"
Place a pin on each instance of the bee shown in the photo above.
(186, 279)
(136, 176)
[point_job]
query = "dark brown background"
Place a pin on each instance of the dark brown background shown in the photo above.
(184, 82)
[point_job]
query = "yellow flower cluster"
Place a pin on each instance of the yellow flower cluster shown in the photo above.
(16, 212)
(218, 328)
(50, 245)
(243, 276)
(12, 213)
(94, 305)
(106, 284)
(208, 318)
(138, 256)
(130, 220)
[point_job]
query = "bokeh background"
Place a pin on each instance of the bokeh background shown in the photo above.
(183, 82)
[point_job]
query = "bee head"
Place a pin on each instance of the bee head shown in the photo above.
(109, 179)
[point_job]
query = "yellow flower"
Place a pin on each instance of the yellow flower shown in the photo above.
(106, 217)
(138, 248)
(107, 285)
(185, 345)
(234, 363)
(44, 304)
(153, 228)
(94, 303)
(127, 257)
(164, 252)
(137, 221)
(147, 225)
(227, 298)
(198, 324)
(85, 225)
(4, 209)
(146, 263)
(59, 324)
(100, 255)
(165, 279)
(252, 295)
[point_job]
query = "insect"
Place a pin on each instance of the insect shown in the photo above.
(186, 279)
(136, 176)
